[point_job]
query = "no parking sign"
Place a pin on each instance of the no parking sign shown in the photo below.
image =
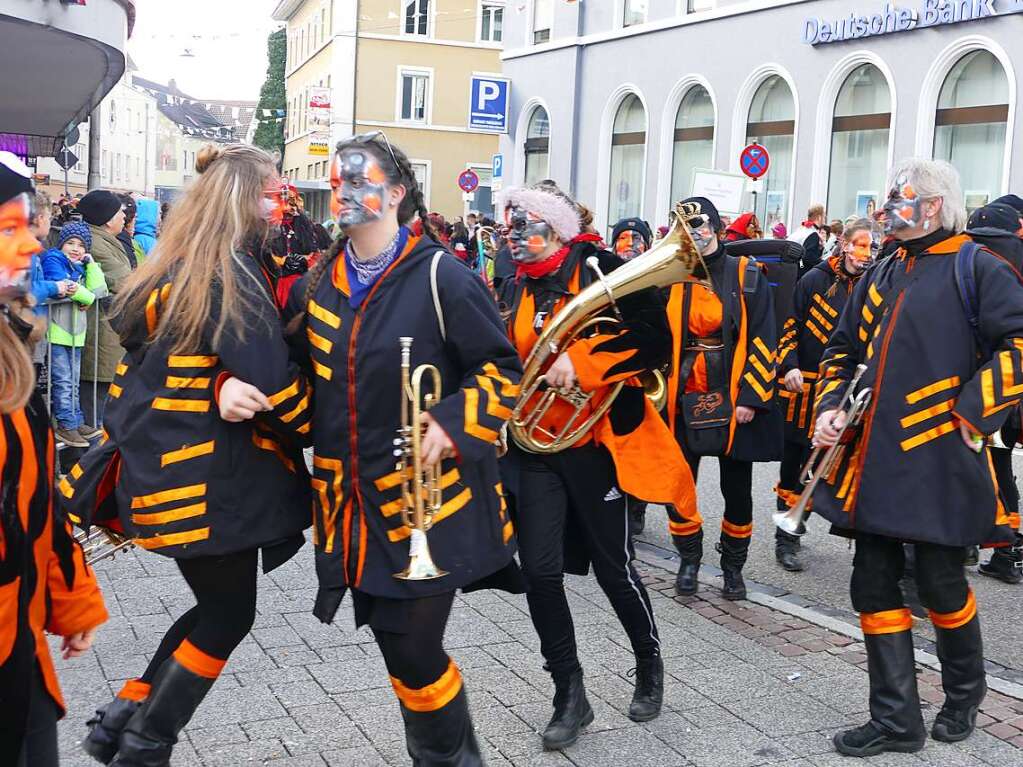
(755, 161)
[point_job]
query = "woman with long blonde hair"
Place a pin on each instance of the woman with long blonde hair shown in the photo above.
(178, 471)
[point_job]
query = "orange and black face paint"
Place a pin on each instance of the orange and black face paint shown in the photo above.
(859, 251)
(275, 203)
(361, 187)
(629, 245)
(17, 245)
(904, 208)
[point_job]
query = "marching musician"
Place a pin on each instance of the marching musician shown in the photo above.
(721, 394)
(820, 296)
(176, 469)
(379, 283)
(45, 584)
(570, 505)
(939, 329)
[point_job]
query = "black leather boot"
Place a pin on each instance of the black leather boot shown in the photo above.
(895, 720)
(149, 737)
(690, 550)
(106, 726)
(961, 652)
(786, 551)
(572, 712)
(733, 557)
(649, 693)
(442, 738)
(1006, 564)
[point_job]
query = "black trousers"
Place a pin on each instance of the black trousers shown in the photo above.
(879, 564)
(793, 459)
(39, 748)
(225, 595)
(577, 491)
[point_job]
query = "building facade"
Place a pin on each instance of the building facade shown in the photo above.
(622, 100)
(399, 66)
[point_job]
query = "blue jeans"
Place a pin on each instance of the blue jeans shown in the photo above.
(66, 370)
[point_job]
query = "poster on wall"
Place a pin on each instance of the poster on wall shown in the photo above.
(776, 200)
(723, 189)
(319, 145)
(866, 204)
(976, 199)
(319, 109)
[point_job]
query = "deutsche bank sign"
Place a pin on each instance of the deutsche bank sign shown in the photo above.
(895, 18)
(488, 104)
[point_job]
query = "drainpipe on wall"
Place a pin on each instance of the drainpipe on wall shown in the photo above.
(576, 107)
(94, 179)
(355, 67)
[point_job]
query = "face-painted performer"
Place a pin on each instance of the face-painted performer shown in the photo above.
(45, 585)
(820, 297)
(196, 313)
(631, 237)
(590, 480)
(938, 326)
(379, 283)
(721, 393)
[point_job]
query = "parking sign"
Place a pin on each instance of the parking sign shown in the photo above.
(497, 176)
(488, 104)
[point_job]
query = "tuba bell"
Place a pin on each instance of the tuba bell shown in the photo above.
(673, 259)
(420, 487)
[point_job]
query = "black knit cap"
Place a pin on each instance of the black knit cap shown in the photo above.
(637, 225)
(1013, 201)
(708, 209)
(15, 177)
(993, 218)
(99, 206)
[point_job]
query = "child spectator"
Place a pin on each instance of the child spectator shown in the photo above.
(82, 281)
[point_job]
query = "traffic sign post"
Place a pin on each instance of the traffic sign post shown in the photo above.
(468, 181)
(497, 176)
(755, 161)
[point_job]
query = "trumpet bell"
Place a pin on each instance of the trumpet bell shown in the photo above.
(421, 566)
(789, 522)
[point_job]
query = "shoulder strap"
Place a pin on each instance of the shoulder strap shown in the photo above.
(436, 294)
(966, 282)
(749, 283)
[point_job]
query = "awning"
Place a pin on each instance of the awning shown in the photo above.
(60, 60)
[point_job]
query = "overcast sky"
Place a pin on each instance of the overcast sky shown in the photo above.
(227, 40)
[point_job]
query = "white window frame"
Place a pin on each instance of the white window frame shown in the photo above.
(405, 69)
(428, 164)
(530, 28)
(431, 18)
(683, 7)
(620, 6)
(493, 4)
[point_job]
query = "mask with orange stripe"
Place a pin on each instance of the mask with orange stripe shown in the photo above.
(903, 209)
(17, 246)
(860, 250)
(630, 244)
(529, 236)
(275, 202)
(361, 189)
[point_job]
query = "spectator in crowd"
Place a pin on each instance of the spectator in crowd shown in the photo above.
(779, 231)
(833, 235)
(145, 224)
(127, 235)
(745, 227)
(103, 211)
(1016, 203)
(43, 290)
(70, 265)
(459, 243)
(440, 226)
(809, 236)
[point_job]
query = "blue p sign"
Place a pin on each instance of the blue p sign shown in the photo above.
(488, 104)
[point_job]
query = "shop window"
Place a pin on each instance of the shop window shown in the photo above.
(634, 12)
(491, 22)
(970, 125)
(772, 124)
(628, 152)
(860, 130)
(694, 140)
(417, 17)
(538, 146)
(415, 88)
(543, 20)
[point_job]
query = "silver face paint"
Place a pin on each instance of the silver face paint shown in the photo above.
(361, 188)
(903, 209)
(701, 232)
(528, 236)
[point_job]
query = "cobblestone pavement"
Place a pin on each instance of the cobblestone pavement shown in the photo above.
(747, 685)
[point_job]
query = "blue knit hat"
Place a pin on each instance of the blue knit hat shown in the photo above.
(78, 229)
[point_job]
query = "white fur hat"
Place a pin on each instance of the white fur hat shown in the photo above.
(555, 209)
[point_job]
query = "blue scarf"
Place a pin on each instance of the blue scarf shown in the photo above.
(364, 276)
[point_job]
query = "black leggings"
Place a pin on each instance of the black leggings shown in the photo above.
(225, 595)
(576, 490)
(39, 748)
(416, 655)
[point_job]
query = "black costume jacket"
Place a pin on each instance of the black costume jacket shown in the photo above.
(821, 294)
(741, 299)
(354, 362)
(907, 474)
(187, 483)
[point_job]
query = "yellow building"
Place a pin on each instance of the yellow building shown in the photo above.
(404, 67)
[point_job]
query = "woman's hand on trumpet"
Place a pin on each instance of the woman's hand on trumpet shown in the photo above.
(829, 426)
(437, 445)
(561, 375)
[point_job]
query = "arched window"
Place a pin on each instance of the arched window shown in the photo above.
(538, 146)
(859, 143)
(772, 124)
(970, 125)
(628, 151)
(694, 140)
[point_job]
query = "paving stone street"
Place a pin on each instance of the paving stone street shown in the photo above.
(747, 685)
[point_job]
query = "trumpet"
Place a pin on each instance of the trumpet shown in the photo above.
(102, 543)
(823, 460)
(671, 260)
(420, 488)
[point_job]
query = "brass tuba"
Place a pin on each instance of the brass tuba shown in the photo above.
(671, 260)
(420, 488)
